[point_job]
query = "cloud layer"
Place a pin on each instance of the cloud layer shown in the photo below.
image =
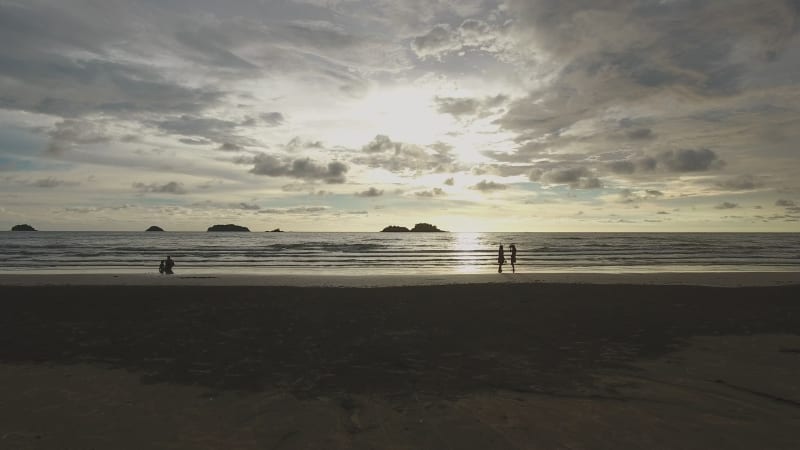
(623, 108)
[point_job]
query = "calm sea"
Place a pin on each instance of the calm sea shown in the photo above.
(387, 253)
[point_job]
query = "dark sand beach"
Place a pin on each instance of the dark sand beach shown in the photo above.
(465, 366)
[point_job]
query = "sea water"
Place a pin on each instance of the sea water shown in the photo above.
(394, 253)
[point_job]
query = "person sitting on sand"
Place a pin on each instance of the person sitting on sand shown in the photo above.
(168, 265)
(513, 257)
(501, 259)
(161, 267)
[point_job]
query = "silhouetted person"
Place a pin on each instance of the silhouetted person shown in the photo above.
(168, 265)
(513, 258)
(501, 259)
(162, 267)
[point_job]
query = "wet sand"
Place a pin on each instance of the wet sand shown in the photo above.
(456, 365)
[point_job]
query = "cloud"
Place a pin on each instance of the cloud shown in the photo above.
(459, 107)
(488, 186)
(727, 205)
(470, 35)
(51, 182)
(230, 147)
(575, 177)
(688, 160)
(171, 187)
(739, 183)
(303, 168)
(449, 182)
(68, 134)
(63, 69)
(247, 206)
(297, 143)
(371, 192)
(295, 210)
(225, 205)
(669, 161)
(393, 156)
(186, 125)
(435, 192)
(190, 141)
(272, 119)
(785, 203)
(631, 196)
(640, 134)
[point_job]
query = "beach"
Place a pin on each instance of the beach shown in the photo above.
(526, 361)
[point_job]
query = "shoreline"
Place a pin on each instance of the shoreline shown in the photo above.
(715, 279)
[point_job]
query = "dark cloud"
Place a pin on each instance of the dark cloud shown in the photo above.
(53, 84)
(272, 119)
(459, 107)
(625, 167)
(68, 134)
(727, 205)
(246, 206)
(371, 192)
(488, 186)
(641, 133)
(435, 192)
(297, 143)
(393, 156)
(449, 181)
(575, 177)
(688, 160)
(171, 187)
(304, 168)
(230, 147)
(51, 182)
(739, 183)
(191, 141)
(677, 161)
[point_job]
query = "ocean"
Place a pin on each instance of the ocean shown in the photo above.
(394, 253)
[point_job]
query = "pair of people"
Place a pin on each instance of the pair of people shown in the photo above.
(166, 266)
(501, 258)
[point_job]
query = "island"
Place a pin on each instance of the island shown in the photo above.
(154, 228)
(276, 230)
(420, 227)
(23, 227)
(228, 227)
(395, 229)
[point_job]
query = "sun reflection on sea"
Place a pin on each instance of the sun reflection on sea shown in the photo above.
(466, 245)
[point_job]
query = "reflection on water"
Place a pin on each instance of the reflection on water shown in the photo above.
(463, 243)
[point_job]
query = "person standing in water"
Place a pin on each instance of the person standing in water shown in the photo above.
(513, 258)
(501, 259)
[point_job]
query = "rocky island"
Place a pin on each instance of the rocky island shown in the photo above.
(276, 230)
(23, 227)
(154, 228)
(228, 227)
(395, 229)
(420, 227)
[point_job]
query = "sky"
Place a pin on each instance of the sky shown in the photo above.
(351, 115)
